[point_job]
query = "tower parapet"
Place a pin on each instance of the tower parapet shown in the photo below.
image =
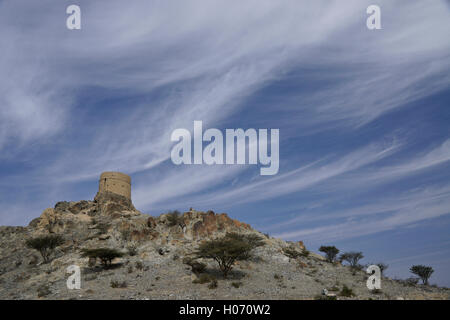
(115, 182)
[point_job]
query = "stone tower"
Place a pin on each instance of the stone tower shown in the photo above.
(115, 182)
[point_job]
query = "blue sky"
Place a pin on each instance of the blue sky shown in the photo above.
(363, 115)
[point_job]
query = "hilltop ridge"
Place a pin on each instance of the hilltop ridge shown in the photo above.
(154, 263)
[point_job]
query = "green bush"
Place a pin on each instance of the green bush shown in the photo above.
(228, 249)
(45, 245)
(105, 255)
(322, 297)
(330, 252)
(204, 278)
(43, 291)
(126, 234)
(175, 218)
(411, 282)
(103, 227)
(236, 284)
(376, 291)
(294, 254)
(334, 288)
(139, 265)
(118, 284)
(423, 272)
(197, 267)
(346, 292)
(291, 253)
(382, 267)
(213, 284)
(132, 249)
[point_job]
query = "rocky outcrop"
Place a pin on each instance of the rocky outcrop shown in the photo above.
(201, 225)
(113, 218)
(159, 259)
(108, 203)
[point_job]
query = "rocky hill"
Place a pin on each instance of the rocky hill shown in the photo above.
(155, 254)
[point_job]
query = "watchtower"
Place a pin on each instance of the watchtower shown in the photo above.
(115, 182)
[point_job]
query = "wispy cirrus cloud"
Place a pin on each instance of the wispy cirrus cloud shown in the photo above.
(302, 177)
(391, 214)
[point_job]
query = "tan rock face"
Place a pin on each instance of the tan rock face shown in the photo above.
(48, 217)
(201, 225)
(108, 203)
(301, 245)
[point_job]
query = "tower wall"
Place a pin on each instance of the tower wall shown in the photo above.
(115, 182)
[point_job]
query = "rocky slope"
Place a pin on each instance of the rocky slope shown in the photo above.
(153, 266)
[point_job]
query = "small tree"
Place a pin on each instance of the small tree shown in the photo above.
(45, 245)
(228, 249)
(175, 218)
(382, 267)
(105, 255)
(424, 272)
(352, 258)
(252, 239)
(330, 252)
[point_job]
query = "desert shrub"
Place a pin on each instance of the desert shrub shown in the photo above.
(197, 267)
(175, 218)
(334, 288)
(92, 262)
(45, 245)
(410, 281)
(346, 292)
(330, 252)
(204, 278)
(322, 297)
(139, 265)
(423, 272)
(376, 291)
(228, 249)
(105, 255)
(126, 234)
(213, 284)
(43, 291)
(236, 284)
(305, 253)
(352, 258)
(118, 284)
(382, 267)
(291, 253)
(103, 227)
(132, 249)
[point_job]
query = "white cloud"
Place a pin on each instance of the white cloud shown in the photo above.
(302, 177)
(394, 212)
